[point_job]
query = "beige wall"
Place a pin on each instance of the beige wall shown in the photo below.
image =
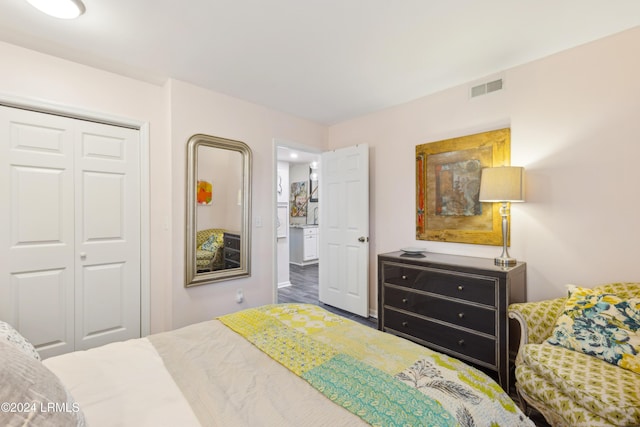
(575, 122)
(195, 110)
(42, 78)
(174, 112)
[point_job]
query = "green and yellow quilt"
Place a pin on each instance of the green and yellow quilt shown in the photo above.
(383, 379)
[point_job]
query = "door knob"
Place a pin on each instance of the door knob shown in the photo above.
(363, 239)
(83, 255)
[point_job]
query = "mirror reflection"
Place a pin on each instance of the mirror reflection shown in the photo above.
(218, 211)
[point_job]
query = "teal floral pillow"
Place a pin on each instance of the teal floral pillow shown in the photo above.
(213, 243)
(602, 325)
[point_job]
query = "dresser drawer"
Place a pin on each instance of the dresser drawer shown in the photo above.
(454, 312)
(232, 241)
(232, 255)
(469, 344)
(473, 288)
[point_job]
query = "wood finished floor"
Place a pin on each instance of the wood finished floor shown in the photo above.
(304, 289)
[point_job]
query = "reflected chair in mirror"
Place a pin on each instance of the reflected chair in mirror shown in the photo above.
(209, 251)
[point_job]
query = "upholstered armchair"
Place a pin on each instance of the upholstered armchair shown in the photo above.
(570, 387)
(209, 249)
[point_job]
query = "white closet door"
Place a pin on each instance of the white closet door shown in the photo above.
(36, 190)
(70, 230)
(107, 231)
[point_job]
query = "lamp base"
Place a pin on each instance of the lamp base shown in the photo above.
(502, 261)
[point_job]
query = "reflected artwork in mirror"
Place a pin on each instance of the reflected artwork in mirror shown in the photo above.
(218, 232)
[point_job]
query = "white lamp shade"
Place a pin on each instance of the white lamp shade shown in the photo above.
(502, 184)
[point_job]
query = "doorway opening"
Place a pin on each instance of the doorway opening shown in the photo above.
(297, 224)
(297, 228)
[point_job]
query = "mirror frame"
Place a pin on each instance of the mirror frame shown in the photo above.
(193, 278)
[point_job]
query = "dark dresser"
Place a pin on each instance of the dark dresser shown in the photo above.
(231, 251)
(453, 304)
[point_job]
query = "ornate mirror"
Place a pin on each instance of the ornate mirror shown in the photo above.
(218, 235)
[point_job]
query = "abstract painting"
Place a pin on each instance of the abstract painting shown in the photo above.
(448, 186)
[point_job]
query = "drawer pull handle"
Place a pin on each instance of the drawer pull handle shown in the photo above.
(405, 323)
(460, 287)
(404, 277)
(461, 343)
(460, 315)
(404, 300)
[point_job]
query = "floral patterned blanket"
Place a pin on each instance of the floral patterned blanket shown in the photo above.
(383, 379)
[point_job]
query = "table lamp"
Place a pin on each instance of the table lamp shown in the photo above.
(503, 184)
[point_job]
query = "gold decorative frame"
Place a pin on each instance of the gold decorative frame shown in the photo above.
(447, 206)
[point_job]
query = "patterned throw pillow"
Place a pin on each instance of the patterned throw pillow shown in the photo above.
(213, 243)
(40, 396)
(601, 324)
(13, 337)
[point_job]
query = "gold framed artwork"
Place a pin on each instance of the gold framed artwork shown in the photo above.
(448, 186)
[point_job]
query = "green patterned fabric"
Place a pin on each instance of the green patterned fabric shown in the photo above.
(602, 325)
(213, 243)
(363, 390)
(383, 379)
(568, 387)
(209, 246)
(559, 376)
(540, 317)
(374, 395)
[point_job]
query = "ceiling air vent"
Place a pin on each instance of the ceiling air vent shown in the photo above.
(485, 88)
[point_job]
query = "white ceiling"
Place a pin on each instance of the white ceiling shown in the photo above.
(324, 60)
(294, 155)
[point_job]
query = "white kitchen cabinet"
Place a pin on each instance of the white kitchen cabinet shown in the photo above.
(303, 245)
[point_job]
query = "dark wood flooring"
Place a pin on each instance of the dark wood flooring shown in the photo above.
(304, 289)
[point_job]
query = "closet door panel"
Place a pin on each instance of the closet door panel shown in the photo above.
(43, 308)
(107, 236)
(103, 293)
(37, 244)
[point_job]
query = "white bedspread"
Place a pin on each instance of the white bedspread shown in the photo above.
(200, 375)
(123, 384)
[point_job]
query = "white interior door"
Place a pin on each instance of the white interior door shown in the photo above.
(71, 230)
(344, 229)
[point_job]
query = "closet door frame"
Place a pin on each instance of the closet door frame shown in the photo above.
(143, 129)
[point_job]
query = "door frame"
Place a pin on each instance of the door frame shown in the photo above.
(279, 142)
(143, 129)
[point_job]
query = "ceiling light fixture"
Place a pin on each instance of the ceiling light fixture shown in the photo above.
(63, 9)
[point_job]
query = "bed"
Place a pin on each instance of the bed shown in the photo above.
(276, 365)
